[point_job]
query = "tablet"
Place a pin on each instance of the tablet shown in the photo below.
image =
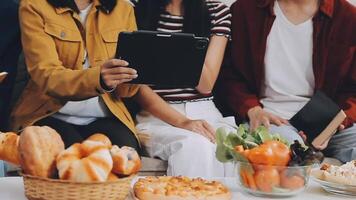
(163, 59)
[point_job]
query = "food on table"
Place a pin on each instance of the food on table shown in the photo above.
(345, 174)
(101, 138)
(112, 177)
(291, 179)
(86, 162)
(126, 160)
(38, 148)
(267, 162)
(180, 188)
(269, 153)
(302, 156)
(8, 148)
(40, 152)
(267, 179)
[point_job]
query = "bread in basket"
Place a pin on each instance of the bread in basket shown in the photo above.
(89, 170)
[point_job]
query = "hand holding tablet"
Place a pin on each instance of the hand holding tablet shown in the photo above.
(114, 72)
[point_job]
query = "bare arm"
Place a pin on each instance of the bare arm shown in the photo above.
(212, 65)
(154, 104)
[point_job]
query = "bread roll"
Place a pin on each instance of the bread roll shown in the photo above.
(39, 147)
(87, 162)
(112, 177)
(101, 138)
(126, 160)
(9, 148)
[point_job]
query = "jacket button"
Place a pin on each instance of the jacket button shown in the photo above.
(63, 34)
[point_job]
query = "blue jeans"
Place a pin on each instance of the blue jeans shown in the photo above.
(342, 146)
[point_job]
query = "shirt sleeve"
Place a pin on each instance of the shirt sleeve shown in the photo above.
(133, 2)
(220, 18)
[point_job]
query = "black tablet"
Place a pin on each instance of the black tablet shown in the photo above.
(163, 59)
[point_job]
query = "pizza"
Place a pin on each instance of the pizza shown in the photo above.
(180, 188)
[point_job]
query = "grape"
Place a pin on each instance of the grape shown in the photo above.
(301, 156)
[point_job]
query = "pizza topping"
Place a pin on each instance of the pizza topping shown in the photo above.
(180, 186)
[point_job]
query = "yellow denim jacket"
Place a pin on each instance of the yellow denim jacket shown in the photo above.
(54, 52)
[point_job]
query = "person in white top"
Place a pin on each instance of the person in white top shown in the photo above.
(282, 52)
(289, 77)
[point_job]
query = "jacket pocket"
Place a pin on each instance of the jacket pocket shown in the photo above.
(68, 42)
(61, 33)
(110, 39)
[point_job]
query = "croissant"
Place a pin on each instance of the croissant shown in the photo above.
(89, 161)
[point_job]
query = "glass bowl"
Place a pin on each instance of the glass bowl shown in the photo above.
(272, 181)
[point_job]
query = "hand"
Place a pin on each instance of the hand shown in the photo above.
(259, 117)
(201, 127)
(321, 147)
(341, 127)
(114, 72)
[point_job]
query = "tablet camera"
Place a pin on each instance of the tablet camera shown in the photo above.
(201, 44)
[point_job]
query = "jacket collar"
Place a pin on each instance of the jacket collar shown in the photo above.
(96, 4)
(326, 6)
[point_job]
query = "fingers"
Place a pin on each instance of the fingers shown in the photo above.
(324, 145)
(266, 122)
(115, 63)
(121, 76)
(254, 124)
(210, 130)
(114, 72)
(119, 70)
(341, 127)
(276, 120)
(279, 121)
(208, 135)
(303, 135)
(203, 128)
(114, 83)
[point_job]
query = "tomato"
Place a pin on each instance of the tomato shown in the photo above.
(267, 178)
(269, 153)
(291, 180)
(282, 153)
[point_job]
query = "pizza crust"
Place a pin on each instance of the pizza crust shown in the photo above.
(150, 196)
(179, 188)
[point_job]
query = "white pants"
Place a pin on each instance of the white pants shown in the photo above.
(187, 153)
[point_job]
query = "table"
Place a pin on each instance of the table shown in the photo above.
(11, 188)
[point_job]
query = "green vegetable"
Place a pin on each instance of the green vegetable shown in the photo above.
(226, 142)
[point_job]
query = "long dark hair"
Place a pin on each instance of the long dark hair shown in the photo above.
(197, 19)
(106, 5)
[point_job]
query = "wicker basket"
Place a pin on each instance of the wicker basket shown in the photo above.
(51, 189)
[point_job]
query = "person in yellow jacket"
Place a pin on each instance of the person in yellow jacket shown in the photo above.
(76, 86)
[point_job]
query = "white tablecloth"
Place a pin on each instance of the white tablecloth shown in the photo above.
(12, 189)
